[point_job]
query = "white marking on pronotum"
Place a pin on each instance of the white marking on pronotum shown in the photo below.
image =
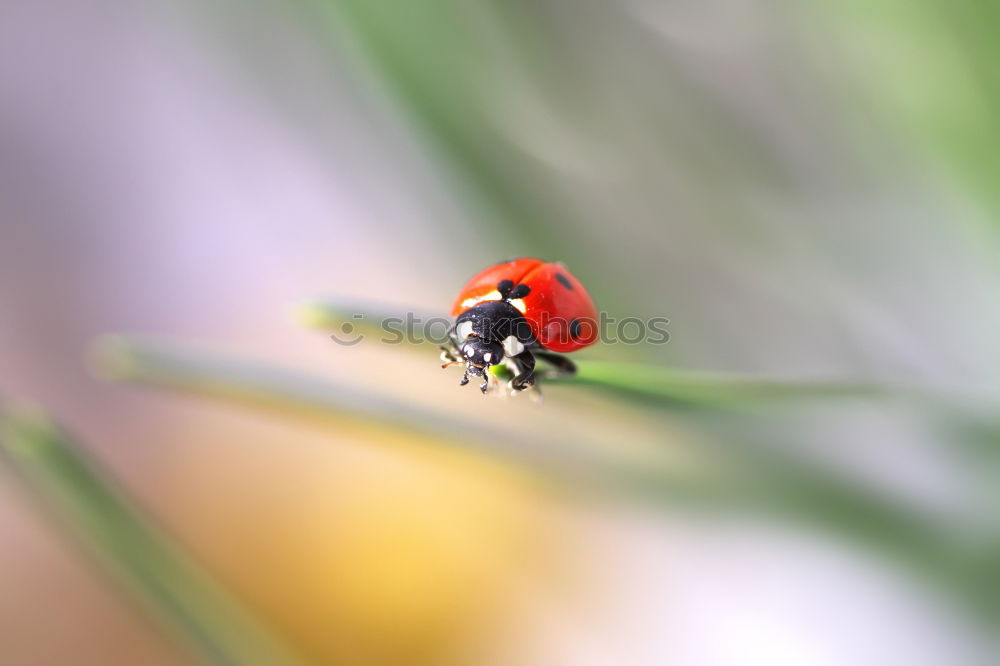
(488, 356)
(476, 300)
(519, 304)
(512, 346)
(464, 330)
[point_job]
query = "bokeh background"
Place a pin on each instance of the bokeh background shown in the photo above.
(807, 190)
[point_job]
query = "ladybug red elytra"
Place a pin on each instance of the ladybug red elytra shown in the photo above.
(516, 311)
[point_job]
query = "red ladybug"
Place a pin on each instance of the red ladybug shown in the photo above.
(517, 310)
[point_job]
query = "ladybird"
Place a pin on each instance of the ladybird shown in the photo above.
(517, 311)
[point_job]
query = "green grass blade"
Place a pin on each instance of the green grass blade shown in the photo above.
(169, 584)
(653, 385)
(670, 387)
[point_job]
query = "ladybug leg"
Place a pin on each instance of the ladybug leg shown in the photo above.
(560, 364)
(525, 378)
(465, 379)
(449, 357)
(486, 382)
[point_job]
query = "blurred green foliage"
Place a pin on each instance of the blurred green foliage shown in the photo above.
(926, 72)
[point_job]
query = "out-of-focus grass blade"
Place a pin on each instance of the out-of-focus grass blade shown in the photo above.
(649, 384)
(397, 324)
(712, 481)
(187, 601)
(430, 60)
(286, 391)
(751, 480)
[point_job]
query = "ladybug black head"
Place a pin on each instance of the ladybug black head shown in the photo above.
(480, 354)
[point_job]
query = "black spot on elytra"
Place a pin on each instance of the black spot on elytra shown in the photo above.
(564, 281)
(574, 328)
(504, 287)
(520, 291)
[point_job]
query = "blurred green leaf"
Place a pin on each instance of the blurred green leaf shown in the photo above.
(186, 600)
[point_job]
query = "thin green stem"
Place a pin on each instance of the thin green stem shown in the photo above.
(650, 384)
